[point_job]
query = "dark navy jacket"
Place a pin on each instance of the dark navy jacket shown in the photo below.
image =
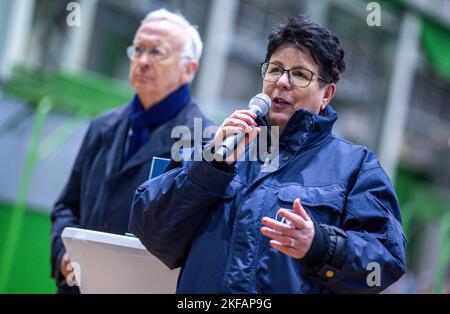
(208, 221)
(100, 189)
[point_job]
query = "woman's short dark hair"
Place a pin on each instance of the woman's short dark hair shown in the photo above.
(323, 46)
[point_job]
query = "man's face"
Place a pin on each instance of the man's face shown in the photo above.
(154, 79)
(287, 98)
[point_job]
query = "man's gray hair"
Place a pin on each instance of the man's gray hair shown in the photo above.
(194, 45)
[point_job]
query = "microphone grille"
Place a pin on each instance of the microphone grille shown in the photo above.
(262, 102)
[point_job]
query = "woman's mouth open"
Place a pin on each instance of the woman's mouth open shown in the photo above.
(280, 103)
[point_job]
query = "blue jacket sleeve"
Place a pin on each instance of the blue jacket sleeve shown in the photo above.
(375, 250)
(168, 210)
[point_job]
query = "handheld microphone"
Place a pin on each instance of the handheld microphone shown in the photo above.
(258, 105)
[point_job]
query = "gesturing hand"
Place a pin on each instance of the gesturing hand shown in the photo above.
(293, 239)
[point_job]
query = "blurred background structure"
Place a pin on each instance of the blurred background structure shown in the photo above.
(55, 76)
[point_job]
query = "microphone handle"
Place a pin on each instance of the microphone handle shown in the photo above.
(230, 143)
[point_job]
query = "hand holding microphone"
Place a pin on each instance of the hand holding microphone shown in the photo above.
(240, 129)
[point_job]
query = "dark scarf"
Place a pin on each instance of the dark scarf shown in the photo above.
(143, 122)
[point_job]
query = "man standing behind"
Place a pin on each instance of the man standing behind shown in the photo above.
(117, 150)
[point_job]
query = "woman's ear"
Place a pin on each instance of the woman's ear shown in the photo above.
(330, 90)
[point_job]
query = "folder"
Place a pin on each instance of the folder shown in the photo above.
(158, 166)
(110, 263)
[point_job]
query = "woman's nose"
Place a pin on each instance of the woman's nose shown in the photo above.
(283, 81)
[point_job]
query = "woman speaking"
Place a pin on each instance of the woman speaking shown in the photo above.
(326, 220)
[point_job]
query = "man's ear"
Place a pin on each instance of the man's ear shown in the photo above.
(330, 91)
(189, 70)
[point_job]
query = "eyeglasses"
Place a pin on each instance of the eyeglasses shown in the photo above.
(157, 53)
(301, 77)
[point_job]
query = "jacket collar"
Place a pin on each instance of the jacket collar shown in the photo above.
(161, 141)
(306, 129)
(114, 131)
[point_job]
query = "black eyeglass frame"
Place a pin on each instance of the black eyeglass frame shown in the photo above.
(265, 66)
